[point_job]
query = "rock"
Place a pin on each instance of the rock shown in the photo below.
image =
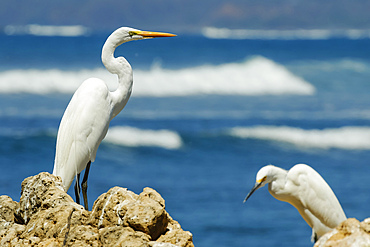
(7, 208)
(55, 222)
(82, 235)
(123, 236)
(147, 214)
(110, 208)
(10, 232)
(40, 192)
(47, 216)
(349, 233)
(176, 236)
(155, 244)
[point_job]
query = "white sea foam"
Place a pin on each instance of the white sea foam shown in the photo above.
(46, 81)
(353, 65)
(47, 30)
(133, 137)
(348, 137)
(308, 34)
(255, 76)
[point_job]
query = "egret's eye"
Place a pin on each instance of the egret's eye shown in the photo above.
(262, 180)
(132, 33)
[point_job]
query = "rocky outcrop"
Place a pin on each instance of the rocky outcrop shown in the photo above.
(47, 216)
(349, 233)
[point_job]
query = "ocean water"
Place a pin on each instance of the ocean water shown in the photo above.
(206, 113)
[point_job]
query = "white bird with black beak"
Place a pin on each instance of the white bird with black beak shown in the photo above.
(307, 191)
(86, 120)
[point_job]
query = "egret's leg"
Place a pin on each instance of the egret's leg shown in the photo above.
(77, 189)
(84, 185)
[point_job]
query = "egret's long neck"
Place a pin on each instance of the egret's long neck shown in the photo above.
(278, 183)
(122, 69)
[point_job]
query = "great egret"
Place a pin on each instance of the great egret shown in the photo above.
(307, 191)
(86, 120)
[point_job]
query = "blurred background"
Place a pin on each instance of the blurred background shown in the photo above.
(243, 85)
(189, 16)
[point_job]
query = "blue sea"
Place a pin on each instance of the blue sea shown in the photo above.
(206, 113)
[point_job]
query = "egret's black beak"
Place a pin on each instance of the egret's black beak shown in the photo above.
(255, 187)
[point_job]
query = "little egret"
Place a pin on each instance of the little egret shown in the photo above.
(86, 120)
(307, 191)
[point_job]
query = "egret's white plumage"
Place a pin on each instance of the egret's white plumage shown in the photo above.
(307, 191)
(86, 120)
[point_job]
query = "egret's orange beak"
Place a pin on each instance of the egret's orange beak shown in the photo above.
(148, 34)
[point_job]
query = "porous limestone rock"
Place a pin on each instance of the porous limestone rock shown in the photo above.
(41, 192)
(175, 235)
(10, 232)
(123, 236)
(47, 216)
(110, 207)
(147, 214)
(349, 233)
(7, 208)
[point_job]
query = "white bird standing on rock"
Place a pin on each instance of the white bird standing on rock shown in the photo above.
(86, 120)
(307, 191)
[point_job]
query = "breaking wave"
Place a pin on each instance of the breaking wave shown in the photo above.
(255, 76)
(348, 137)
(133, 137)
(118, 135)
(307, 34)
(47, 30)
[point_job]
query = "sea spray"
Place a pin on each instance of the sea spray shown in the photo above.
(254, 76)
(134, 137)
(348, 137)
